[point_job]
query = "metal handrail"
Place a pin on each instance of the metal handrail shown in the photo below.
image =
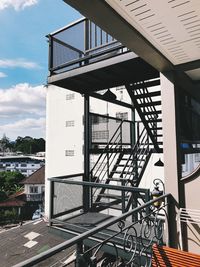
(76, 240)
(134, 151)
(107, 146)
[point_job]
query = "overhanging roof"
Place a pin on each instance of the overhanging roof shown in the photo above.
(166, 33)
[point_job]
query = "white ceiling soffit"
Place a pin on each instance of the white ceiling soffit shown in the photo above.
(172, 26)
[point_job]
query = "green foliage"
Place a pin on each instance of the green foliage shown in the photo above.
(5, 143)
(29, 145)
(3, 196)
(9, 181)
(26, 145)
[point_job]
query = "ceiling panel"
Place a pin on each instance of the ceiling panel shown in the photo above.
(172, 26)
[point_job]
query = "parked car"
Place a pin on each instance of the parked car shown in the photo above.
(37, 214)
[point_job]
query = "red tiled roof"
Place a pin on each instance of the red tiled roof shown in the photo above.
(17, 194)
(12, 203)
(38, 177)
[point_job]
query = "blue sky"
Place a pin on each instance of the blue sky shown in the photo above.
(23, 62)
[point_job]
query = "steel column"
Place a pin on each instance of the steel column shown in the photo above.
(87, 140)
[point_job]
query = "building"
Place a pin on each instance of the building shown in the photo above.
(34, 188)
(137, 47)
(24, 164)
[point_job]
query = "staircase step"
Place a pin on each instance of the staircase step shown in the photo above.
(146, 84)
(158, 135)
(106, 204)
(106, 195)
(154, 120)
(156, 128)
(155, 112)
(112, 196)
(122, 165)
(150, 104)
(146, 95)
(119, 172)
(117, 207)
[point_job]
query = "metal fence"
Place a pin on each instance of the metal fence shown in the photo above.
(130, 245)
(78, 44)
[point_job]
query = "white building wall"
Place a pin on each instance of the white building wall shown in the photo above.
(40, 188)
(63, 106)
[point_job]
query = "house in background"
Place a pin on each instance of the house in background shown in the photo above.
(24, 164)
(26, 201)
(34, 187)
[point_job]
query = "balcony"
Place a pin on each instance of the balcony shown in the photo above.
(34, 197)
(101, 238)
(82, 55)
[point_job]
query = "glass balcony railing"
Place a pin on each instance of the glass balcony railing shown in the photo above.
(79, 44)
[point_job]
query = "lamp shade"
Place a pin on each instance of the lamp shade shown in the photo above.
(159, 163)
(109, 95)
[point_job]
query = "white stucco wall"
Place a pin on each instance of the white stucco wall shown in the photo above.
(60, 138)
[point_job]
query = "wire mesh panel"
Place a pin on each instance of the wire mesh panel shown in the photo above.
(104, 128)
(67, 198)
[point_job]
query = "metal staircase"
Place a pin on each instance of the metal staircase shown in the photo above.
(147, 102)
(125, 166)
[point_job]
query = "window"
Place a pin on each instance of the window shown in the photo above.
(33, 189)
(69, 123)
(69, 153)
(70, 96)
(122, 115)
(23, 165)
(100, 135)
(103, 119)
(99, 119)
(7, 164)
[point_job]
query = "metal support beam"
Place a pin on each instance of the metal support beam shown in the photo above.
(87, 139)
(51, 201)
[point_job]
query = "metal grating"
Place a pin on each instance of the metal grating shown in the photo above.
(172, 26)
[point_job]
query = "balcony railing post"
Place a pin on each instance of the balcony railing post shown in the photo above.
(80, 262)
(51, 202)
(50, 66)
(86, 38)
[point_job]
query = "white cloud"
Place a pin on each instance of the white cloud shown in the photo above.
(17, 4)
(22, 111)
(22, 100)
(2, 75)
(24, 127)
(19, 62)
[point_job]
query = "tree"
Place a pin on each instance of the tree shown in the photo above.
(5, 143)
(29, 145)
(9, 181)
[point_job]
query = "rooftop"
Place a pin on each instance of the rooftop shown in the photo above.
(30, 239)
(38, 177)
